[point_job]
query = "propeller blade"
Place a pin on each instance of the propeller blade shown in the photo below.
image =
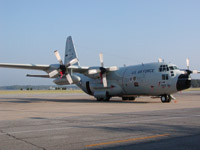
(94, 71)
(101, 59)
(73, 61)
(114, 68)
(188, 63)
(104, 80)
(58, 57)
(69, 78)
(53, 73)
(195, 72)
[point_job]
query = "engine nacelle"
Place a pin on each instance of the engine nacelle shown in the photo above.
(63, 80)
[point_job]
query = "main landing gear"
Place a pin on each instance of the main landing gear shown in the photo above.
(166, 98)
(128, 98)
(104, 99)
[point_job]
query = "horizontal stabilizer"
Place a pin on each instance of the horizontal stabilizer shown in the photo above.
(39, 76)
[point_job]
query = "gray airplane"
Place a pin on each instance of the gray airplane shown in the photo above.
(158, 79)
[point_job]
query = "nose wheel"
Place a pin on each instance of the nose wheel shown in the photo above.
(165, 98)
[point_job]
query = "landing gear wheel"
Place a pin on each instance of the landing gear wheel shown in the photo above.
(107, 99)
(131, 98)
(103, 99)
(165, 98)
(99, 99)
(124, 98)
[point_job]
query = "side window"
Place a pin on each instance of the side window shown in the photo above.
(172, 73)
(165, 77)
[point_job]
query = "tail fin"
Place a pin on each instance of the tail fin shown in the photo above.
(70, 51)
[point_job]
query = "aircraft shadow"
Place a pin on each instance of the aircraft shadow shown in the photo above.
(172, 142)
(36, 100)
(162, 144)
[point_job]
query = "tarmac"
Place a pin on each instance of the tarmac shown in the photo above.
(45, 121)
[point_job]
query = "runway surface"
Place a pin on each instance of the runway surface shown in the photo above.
(77, 121)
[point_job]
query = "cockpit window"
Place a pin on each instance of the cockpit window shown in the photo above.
(173, 67)
(163, 68)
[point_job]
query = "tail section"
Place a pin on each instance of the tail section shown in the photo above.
(70, 51)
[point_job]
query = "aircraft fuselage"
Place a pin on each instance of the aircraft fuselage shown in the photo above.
(152, 79)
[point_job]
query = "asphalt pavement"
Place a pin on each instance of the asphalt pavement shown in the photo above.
(78, 122)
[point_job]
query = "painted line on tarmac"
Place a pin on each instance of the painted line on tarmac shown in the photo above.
(127, 140)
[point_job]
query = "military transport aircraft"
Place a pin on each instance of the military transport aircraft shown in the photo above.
(158, 79)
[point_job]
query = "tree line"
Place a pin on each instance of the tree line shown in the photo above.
(195, 83)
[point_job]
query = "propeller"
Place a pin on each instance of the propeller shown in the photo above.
(63, 69)
(188, 68)
(58, 57)
(102, 71)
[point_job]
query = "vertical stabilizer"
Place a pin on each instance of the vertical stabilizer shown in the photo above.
(70, 51)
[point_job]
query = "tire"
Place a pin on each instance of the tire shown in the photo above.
(107, 99)
(98, 99)
(165, 98)
(103, 99)
(124, 98)
(131, 98)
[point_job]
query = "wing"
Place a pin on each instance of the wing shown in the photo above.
(25, 66)
(79, 69)
(47, 69)
(82, 70)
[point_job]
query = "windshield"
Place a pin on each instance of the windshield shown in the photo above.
(173, 67)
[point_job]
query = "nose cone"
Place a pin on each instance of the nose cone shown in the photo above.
(184, 82)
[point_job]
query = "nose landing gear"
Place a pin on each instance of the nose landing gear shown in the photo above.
(166, 98)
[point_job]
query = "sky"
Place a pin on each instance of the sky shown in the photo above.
(126, 31)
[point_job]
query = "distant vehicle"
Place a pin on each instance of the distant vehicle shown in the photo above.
(158, 79)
